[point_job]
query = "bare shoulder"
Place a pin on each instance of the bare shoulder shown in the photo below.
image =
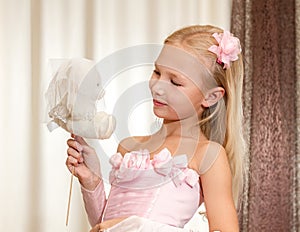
(131, 143)
(206, 155)
(214, 164)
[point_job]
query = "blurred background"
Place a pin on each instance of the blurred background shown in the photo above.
(34, 33)
(34, 180)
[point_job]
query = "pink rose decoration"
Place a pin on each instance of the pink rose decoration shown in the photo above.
(116, 160)
(162, 162)
(162, 158)
(137, 160)
(228, 49)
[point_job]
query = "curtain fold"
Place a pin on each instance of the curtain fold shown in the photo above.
(34, 199)
(35, 181)
(241, 26)
(271, 101)
(296, 200)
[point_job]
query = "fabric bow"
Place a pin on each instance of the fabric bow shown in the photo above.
(174, 167)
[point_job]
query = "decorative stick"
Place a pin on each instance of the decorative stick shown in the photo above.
(70, 194)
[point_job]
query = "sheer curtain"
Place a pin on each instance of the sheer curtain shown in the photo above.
(34, 179)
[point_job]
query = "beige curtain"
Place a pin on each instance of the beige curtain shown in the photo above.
(34, 179)
(270, 35)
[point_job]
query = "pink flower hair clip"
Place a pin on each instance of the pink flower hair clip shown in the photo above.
(228, 49)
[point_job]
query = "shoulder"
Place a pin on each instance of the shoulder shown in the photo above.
(214, 162)
(131, 143)
(206, 155)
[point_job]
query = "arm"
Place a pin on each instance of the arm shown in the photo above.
(94, 203)
(87, 170)
(216, 183)
(109, 223)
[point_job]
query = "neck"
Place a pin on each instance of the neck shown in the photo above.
(181, 128)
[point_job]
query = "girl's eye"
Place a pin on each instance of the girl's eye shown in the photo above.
(156, 72)
(175, 83)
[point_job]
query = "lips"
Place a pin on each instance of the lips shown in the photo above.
(158, 103)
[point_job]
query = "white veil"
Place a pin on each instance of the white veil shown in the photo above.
(71, 100)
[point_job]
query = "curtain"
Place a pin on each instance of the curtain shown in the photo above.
(34, 180)
(269, 31)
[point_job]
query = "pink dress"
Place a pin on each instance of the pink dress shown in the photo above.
(163, 189)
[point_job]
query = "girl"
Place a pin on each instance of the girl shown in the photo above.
(159, 181)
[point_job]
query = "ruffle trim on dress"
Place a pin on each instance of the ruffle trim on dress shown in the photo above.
(163, 165)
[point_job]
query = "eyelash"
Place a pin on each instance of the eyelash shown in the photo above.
(156, 72)
(173, 82)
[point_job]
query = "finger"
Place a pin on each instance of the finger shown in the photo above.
(73, 170)
(71, 161)
(96, 228)
(80, 140)
(75, 145)
(75, 154)
(83, 144)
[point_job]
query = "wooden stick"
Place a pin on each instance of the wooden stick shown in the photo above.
(70, 194)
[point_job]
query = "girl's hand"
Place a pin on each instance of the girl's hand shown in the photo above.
(86, 162)
(106, 224)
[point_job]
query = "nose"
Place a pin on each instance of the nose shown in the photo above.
(157, 87)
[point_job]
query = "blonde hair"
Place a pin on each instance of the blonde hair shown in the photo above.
(223, 121)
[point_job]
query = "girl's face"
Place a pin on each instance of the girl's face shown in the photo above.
(175, 96)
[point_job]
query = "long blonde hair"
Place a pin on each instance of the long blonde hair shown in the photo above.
(223, 122)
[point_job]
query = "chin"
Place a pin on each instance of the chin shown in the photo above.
(164, 116)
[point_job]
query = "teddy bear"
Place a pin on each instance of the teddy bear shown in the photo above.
(72, 97)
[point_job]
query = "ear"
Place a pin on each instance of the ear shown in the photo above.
(213, 96)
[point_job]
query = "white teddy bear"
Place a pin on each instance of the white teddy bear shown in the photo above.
(72, 96)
